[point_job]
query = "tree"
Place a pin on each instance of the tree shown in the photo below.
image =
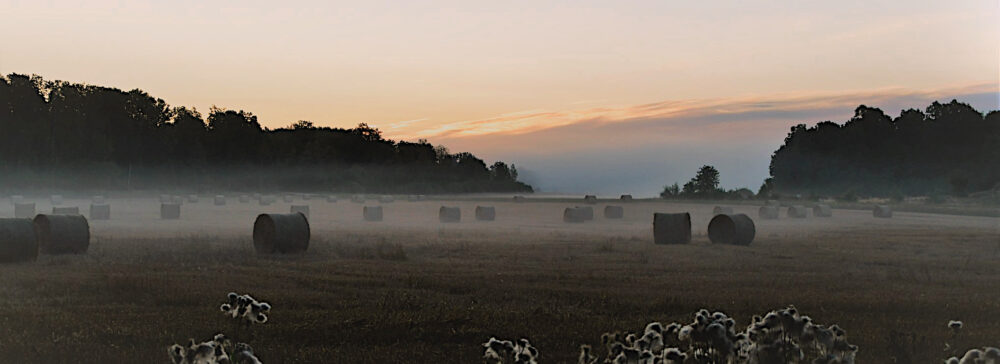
(671, 191)
(705, 183)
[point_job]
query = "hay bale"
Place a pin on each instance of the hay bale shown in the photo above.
(57, 200)
(486, 213)
(307, 196)
(166, 199)
(65, 210)
(16, 199)
(17, 241)
(614, 212)
(281, 233)
(192, 198)
(769, 212)
(386, 199)
(449, 214)
(627, 198)
(265, 200)
(722, 210)
(100, 211)
(97, 199)
(62, 234)
(331, 199)
(288, 198)
(822, 210)
(672, 228)
(413, 198)
(170, 211)
(358, 199)
(244, 199)
(578, 214)
(732, 229)
(373, 213)
(797, 212)
(590, 199)
(177, 199)
(219, 200)
(24, 210)
(882, 211)
(519, 199)
(302, 209)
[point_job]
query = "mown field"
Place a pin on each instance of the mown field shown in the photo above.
(410, 289)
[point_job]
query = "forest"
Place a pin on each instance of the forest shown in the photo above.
(62, 135)
(947, 149)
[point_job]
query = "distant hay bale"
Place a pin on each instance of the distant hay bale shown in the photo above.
(16, 199)
(288, 198)
(303, 209)
(97, 199)
(722, 210)
(24, 210)
(882, 211)
(306, 196)
(192, 199)
(822, 210)
(358, 199)
(578, 214)
(519, 199)
(57, 200)
(798, 212)
(614, 212)
(373, 213)
(486, 213)
(177, 199)
(734, 229)
(100, 211)
(244, 199)
(265, 200)
(386, 199)
(331, 199)
(166, 199)
(672, 228)
(170, 211)
(65, 210)
(281, 233)
(769, 212)
(413, 198)
(449, 214)
(17, 241)
(220, 200)
(62, 234)
(626, 198)
(590, 199)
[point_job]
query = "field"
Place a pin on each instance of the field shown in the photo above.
(411, 289)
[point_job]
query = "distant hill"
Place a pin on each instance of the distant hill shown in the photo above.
(56, 134)
(947, 149)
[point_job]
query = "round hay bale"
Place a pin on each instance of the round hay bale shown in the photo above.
(373, 213)
(281, 233)
(519, 199)
(486, 213)
(590, 199)
(177, 199)
(97, 199)
(358, 199)
(386, 199)
(822, 210)
(578, 214)
(100, 211)
(331, 199)
(288, 198)
(170, 211)
(244, 199)
(65, 210)
(798, 212)
(614, 212)
(17, 241)
(16, 199)
(413, 198)
(302, 209)
(192, 198)
(62, 234)
(57, 200)
(307, 196)
(24, 210)
(626, 198)
(735, 229)
(219, 200)
(449, 214)
(672, 228)
(166, 199)
(265, 200)
(769, 212)
(882, 211)
(722, 210)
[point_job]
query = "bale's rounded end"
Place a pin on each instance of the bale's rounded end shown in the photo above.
(281, 233)
(17, 241)
(736, 229)
(62, 234)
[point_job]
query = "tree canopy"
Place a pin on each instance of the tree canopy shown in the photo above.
(61, 134)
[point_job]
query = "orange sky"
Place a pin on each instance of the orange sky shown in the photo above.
(451, 69)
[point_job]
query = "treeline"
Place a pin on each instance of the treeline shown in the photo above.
(947, 149)
(56, 134)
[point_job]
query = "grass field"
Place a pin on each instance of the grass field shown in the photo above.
(410, 289)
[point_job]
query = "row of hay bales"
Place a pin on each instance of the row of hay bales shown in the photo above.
(579, 214)
(23, 240)
(26, 210)
(730, 229)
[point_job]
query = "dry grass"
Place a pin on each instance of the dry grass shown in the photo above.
(434, 294)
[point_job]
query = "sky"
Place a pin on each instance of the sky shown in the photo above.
(583, 96)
